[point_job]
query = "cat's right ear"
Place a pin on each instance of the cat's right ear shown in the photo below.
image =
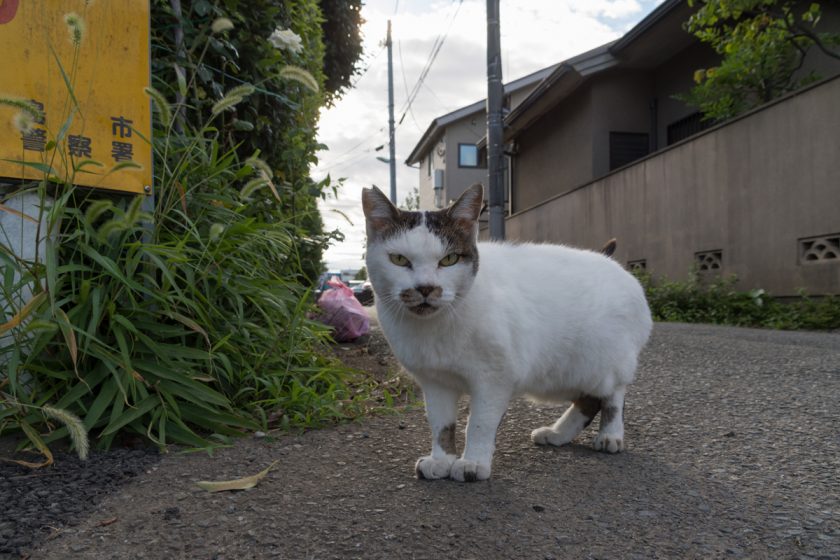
(379, 212)
(468, 206)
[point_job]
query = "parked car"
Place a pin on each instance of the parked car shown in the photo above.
(363, 292)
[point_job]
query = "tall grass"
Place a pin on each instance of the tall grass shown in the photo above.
(181, 318)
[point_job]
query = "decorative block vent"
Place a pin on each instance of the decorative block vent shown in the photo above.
(817, 250)
(709, 261)
(637, 266)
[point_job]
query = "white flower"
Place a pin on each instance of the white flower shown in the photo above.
(221, 24)
(286, 39)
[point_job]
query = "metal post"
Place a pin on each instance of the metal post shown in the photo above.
(391, 144)
(495, 139)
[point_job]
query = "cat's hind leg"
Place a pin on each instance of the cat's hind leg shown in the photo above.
(441, 412)
(610, 436)
(574, 420)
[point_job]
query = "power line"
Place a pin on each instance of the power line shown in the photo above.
(368, 67)
(405, 83)
(349, 154)
(429, 62)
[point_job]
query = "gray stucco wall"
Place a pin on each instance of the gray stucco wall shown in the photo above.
(752, 189)
(555, 153)
(623, 100)
(466, 131)
(426, 182)
(677, 76)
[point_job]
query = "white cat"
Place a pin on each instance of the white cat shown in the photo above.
(496, 321)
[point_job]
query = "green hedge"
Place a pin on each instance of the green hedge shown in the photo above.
(718, 302)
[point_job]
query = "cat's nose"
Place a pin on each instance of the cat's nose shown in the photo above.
(425, 290)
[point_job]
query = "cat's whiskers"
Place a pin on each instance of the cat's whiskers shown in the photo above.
(394, 305)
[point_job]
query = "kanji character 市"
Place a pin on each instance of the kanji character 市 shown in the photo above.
(121, 126)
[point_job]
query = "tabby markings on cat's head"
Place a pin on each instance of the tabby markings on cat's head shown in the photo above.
(424, 260)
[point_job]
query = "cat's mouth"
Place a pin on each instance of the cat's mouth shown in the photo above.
(423, 309)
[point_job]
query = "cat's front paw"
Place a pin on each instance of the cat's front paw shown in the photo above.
(431, 468)
(609, 443)
(469, 471)
(549, 436)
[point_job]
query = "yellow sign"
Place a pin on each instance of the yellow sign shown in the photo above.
(84, 64)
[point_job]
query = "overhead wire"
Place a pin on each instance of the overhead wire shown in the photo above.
(351, 152)
(368, 67)
(342, 158)
(351, 155)
(438, 44)
(405, 84)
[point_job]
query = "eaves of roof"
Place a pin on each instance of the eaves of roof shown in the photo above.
(646, 24)
(438, 125)
(571, 73)
(565, 78)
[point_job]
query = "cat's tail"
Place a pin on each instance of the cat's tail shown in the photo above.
(609, 248)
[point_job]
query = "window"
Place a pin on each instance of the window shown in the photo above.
(687, 126)
(429, 164)
(627, 147)
(467, 155)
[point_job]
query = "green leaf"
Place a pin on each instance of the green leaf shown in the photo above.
(36, 165)
(132, 414)
(66, 79)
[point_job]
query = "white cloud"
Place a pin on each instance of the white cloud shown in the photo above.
(534, 34)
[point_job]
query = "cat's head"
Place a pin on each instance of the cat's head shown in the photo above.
(422, 262)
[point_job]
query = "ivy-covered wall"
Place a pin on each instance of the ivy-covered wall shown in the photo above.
(279, 121)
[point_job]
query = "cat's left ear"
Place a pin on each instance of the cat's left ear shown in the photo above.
(468, 206)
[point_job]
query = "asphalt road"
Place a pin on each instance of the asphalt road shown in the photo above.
(733, 452)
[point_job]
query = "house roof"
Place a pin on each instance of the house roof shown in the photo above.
(646, 45)
(438, 125)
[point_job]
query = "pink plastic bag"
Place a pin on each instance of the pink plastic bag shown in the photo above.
(342, 311)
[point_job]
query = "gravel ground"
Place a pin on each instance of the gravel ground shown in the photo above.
(733, 452)
(37, 504)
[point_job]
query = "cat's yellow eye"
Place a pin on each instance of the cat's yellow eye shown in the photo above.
(449, 259)
(399, 260)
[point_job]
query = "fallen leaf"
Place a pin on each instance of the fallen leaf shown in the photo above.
(106, 522)
(238, 484)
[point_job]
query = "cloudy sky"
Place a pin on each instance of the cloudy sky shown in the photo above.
(534, 34)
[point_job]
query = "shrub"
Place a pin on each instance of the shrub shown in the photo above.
(181, 318)
(718, 302)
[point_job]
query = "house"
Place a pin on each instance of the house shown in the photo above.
(447, 153)
(601, 148)
(608, 107)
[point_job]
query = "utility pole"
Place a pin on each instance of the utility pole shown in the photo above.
(391, 144)
(495, 131)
